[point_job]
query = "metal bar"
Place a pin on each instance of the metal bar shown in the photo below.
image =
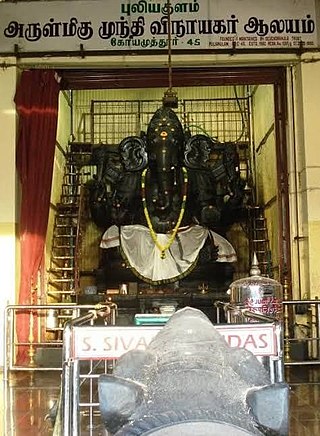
(272, 372)
(91, 397)
(280, 362)
(295, 302)
(66, 381)
(75, 399)
(302, 363)
(257, 316)
(51, 306)
(243, 311)
(218, 314)
(8, 348)
(82, 319)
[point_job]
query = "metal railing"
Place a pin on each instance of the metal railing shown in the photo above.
(301, 320)
(301, 332)
(43, 333)
(82, 364)
(89, 351)
(79, 389)
(301, 328)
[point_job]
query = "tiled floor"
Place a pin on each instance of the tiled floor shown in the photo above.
(28, 396)
(305, 401)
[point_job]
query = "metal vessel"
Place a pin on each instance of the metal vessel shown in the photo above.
(255, 294)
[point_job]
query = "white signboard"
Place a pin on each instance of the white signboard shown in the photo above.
(92, 343)
(109, 25)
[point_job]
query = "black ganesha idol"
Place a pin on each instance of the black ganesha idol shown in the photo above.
(167, 201)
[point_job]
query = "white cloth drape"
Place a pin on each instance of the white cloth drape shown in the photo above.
(144, 256)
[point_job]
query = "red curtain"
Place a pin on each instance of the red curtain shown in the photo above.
(37, 105)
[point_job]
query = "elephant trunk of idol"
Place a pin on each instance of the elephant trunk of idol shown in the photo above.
(164, 163)
(165, 181)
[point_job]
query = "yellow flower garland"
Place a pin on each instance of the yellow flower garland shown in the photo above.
(154, 236)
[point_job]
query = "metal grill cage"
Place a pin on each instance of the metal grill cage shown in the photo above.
(226, 120)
